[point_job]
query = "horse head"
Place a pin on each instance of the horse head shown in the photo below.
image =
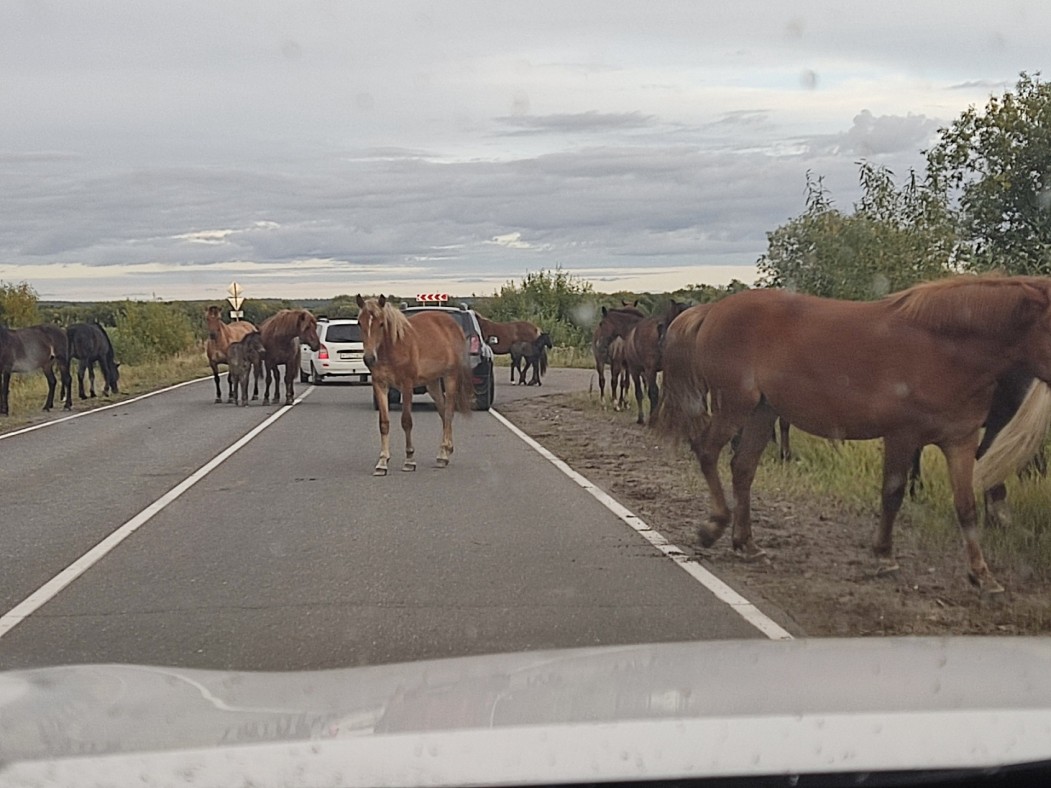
(372, 322)
(214, 318)
(307, 329)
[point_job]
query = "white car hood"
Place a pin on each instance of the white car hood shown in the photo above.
(714, 709)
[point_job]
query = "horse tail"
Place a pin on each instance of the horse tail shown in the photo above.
(464, 387)
(543, 359)
(1018, 441)
(682, 410)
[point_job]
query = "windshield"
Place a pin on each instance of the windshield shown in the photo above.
(757, 307)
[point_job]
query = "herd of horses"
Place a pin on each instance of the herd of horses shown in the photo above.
(930, 365)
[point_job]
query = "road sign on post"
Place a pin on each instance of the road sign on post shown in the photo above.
(236, 299)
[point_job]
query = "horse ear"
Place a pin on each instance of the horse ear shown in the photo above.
(604, 310)
(359, 301)
(382, 300)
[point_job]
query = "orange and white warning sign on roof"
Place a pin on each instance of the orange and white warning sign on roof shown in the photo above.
(432, 298)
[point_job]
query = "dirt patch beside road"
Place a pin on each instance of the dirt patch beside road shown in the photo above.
(818, 578)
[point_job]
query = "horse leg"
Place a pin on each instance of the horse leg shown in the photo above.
(786, 449)
(654, 394)
(244, 387)
(997, 512)
(898, 454)
(49, 373)
(379, 392)
(637, 379)
(5, 386)
(290, 393)
(91, 379)
(80, 380)
(257, 372)
(602, 381)
(215, 376)
(67, 383)
(706, 449)
(446, 402)
(406, 427)
(755, 435)
(960, 458)
(232, 384)
(272, 375)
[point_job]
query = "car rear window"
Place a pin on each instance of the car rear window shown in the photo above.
(343, 332)
(461, 317)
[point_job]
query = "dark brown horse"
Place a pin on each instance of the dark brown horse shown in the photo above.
(37, 348)
(531, 354)
(426, 349)
(90, 344)
(917, 367)
(642, 353)
(615, 323)
(246, 357)
(220, 335)
(282, 335)
(501, 337)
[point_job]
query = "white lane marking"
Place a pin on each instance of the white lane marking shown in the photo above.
(52, 587)
(99, 409)
(747, 610)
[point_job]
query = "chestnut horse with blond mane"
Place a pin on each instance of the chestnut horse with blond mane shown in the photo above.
(220, 336)
(916, 367)
(428, 349)
(282, 334)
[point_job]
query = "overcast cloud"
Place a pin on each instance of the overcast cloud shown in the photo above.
(314, 148)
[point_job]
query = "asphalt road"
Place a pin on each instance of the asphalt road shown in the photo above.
(290, 555)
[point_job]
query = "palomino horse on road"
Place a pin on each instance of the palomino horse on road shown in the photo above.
(31, 349)
(282, 335)
(916, 367)
(428, 349)
(220, 335)
(502, 337)
(615, 323)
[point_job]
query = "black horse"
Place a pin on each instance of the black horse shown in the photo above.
(533, 354)
(244, 356)
(89, 343)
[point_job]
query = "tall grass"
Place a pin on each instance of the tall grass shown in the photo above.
(28, 392)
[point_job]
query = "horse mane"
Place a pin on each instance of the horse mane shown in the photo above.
(962, 304)
(284, 323)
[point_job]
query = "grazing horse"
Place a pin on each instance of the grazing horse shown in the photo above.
(501, 337)
(615, 323)
(642, 354)
(35, 348)
(89, 343)
(220, 335)
(916, 367)
(532, 354)
(243, 357)
(282, 334)
(428, 349)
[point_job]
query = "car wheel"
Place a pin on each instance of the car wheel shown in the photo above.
(315, 378)
(483, 398)
(303, 377)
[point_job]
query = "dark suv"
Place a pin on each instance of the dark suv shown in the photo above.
(481, 355)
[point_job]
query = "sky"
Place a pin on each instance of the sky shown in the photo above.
(309, 149)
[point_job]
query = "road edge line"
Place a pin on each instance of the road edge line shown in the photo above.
(49, 590)
(724, 593)
(99, 409)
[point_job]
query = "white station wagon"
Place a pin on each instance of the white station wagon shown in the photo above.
(340, 356)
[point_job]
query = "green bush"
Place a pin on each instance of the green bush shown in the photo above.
(150, 331)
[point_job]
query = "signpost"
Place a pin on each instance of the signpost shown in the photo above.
(236, 299)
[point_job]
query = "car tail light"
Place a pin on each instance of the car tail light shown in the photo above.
(322, 352)
(474, 345)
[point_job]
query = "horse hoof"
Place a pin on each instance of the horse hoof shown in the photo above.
(409, 466)
(379, 471)
(749, 553)
(218, 400)
(442, 462)
(887, 567)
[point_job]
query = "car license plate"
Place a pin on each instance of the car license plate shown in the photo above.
(346, 355)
